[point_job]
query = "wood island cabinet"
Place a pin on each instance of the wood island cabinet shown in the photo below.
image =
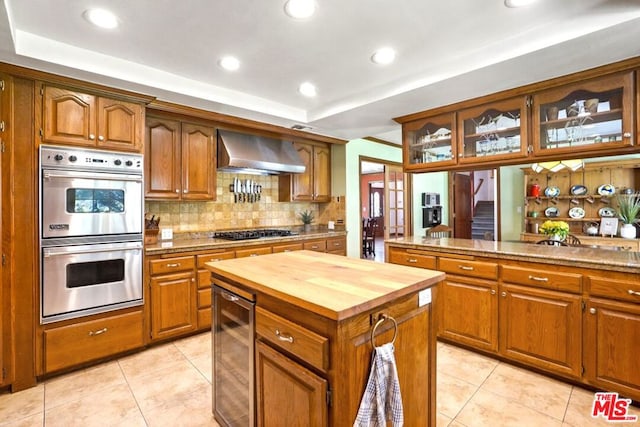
(71, 117)
(314, 184)
(173, 296)
(180, 160)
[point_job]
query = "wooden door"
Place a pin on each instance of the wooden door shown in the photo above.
(162, 162)
(542, 328)
(68, 117)
(321, 174)
(120, 125)
(462, 209)
(173, 304)
(469, 312)
(612, 345)
(198, 162)
(287, 394)
(394, 212)
(302, 183)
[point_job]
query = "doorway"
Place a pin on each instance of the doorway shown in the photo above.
(382, 203)
(474, 204)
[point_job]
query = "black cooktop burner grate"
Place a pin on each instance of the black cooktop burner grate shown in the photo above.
(251, 234)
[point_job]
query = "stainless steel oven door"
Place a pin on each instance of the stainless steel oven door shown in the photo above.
(87, 279)
(76, 203)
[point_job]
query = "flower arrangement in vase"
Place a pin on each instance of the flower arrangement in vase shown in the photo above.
(629, 213)
(556, 230)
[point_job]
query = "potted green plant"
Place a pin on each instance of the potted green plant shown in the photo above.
(556, 230)
(307, 218)
(629, 213)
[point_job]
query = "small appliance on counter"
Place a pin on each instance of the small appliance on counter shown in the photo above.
(431, 210)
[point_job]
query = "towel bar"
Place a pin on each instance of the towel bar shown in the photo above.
(380, 321)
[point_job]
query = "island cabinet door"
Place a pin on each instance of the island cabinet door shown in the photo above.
(612, 346)
(468, 312)
(542, 328)
(287, 393)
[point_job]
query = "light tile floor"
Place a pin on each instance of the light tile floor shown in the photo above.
(170, 385)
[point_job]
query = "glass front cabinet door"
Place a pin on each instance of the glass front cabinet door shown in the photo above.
(430, 142)
(493, 131)
(589, 116)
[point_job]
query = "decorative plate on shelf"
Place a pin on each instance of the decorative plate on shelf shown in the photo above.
(576, 213)
(552, 191)
(607, 212)
(606, 190)
(578, 190)
(551, 212)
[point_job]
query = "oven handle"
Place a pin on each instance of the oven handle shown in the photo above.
(88, 175)
(49, 253)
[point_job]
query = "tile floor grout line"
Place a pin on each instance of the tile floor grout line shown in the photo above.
(135, 399)
(474, 393)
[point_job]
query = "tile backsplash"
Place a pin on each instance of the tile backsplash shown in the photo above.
(191, 216)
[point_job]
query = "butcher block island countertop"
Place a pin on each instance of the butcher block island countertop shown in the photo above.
(335, 309)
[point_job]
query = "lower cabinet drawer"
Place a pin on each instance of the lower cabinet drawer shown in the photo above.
(204, 317)
(241, 253)
(560, 281)
(297, 340)
(624, 290)
(318, 246)
(337, 244)
(402, 257)
(287, 248)
(463, 267)
(83, 342)
(204, 298)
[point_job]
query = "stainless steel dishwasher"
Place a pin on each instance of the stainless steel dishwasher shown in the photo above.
(233, 357)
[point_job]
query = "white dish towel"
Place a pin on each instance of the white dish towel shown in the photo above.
(381, 400)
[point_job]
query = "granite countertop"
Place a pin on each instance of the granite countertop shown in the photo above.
(202, 241)
(333, 286)
(604, 259)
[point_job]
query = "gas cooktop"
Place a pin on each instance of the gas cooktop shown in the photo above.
(252, 234)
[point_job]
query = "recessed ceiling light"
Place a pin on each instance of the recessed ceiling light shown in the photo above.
(300, 9)
(229, 63)
(307, 89)
(518, 3)
(383, 56)
(101, 18)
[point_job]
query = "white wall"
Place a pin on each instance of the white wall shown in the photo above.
(433, 182)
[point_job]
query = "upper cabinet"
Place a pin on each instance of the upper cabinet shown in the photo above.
(430, 142)
(314, 184)
(493, 131)
(71, 117)
(592, 115)
(180, 160)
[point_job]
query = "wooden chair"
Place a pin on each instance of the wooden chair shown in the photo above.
(550, 242)
(572, 240)
(369, 230)
(440, 231)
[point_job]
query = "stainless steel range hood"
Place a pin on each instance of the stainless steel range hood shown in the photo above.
(244, 153)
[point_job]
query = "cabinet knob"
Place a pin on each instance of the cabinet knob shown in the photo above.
(627, 134)
(465, 268)
(493, 291)
(92, 136)
(592, 310)
(185, 191)
(177, 190)
(412, 260)
(503, 294)
(100, 138)
(98, 332)
(173, 265)
(632, 292)
(284, 337)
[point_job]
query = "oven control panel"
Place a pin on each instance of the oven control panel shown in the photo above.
(81, 158)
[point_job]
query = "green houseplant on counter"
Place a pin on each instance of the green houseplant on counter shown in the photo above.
(628, 212)
(307, 218)
(556, 230)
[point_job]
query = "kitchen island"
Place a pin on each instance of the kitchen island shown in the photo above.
(573, 312)
(317, 317)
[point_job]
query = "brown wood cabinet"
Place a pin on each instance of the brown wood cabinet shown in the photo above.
(590, 113)
(576, 322)
(81, 342)
(541, 328)
(204, 284)
(337, 245)
(72, 117)
(314, 185)
(180, 160)
(173, 296)
(301, 399)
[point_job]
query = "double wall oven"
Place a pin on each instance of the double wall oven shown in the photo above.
(91, 249)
